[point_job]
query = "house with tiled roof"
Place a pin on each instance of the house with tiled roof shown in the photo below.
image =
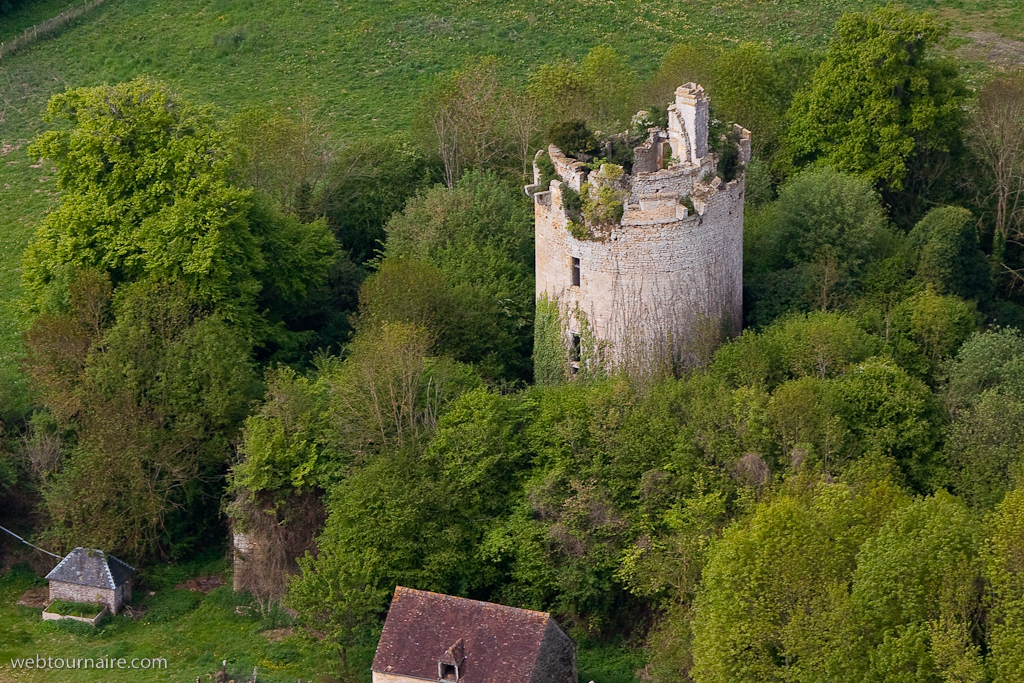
(88, 575)
(434, 637)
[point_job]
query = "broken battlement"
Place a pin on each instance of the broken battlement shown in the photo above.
(674, 171)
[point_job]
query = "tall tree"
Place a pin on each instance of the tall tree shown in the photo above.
(1003, 554)
(147, 193)
(601, 89)
(460, 262)
(475, 119)
(774, 604)
(880, 106)
(152, 393)
(811, 247)
(997, 141)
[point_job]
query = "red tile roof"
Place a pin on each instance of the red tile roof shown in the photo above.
(500, 643)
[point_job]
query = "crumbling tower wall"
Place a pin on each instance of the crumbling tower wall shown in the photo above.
(649, 284)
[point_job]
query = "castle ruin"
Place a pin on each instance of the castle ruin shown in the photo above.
(651, 266)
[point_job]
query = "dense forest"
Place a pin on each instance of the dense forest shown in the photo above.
(244, 323)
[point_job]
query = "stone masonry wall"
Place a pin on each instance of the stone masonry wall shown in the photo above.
(381, 677)
(241, 545)
(73, 592)
(663, 270)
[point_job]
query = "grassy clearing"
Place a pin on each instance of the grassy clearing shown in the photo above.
(366, 67)
(194, 632)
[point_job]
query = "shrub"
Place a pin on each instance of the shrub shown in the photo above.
(572, 137)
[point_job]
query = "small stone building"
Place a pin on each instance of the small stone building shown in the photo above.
(88, 575)
(434, 637)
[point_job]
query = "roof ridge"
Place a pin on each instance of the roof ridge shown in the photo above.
(483, 603)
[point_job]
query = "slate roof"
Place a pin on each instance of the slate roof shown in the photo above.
(499, 643)
(89, 567)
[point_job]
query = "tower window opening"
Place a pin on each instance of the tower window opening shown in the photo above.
(575, 272)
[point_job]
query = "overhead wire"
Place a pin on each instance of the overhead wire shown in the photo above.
(29, 544)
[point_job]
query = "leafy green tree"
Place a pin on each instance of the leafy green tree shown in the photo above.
(410, 290)
(806, 418)
(1002, 554)
(812, 248)
(927, 329)
(916, 596)
(880, 106)
(685, 62)
(152, 394)
(753, 85)
(414, 518)
(600, 520)
(367, 182)
(146, 193)
(669, 565)
(612, 85)
(460, 262)
(984, 448)
(773, 604)
(372, 541)
(945, 253)
(313, 433)
(989, 361)
(279, 442)
(285, 155)
(984, 395)
(601, 89)
(892, 414)
(750, 83)
(813, 344)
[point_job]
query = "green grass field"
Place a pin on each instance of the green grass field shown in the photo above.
(192, 631)
(365, 62)
(31, 14)
(195, 632)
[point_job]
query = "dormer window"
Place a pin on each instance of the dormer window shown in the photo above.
(575, 272)
(449, 666)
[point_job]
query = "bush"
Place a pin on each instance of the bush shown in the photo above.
(572, 137)
(75, 609)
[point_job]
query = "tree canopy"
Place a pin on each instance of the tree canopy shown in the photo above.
(879, 104)
(148, 192)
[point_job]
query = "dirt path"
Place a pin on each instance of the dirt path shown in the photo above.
(986, 46)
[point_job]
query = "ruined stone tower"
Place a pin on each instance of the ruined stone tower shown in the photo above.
(646, 265)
